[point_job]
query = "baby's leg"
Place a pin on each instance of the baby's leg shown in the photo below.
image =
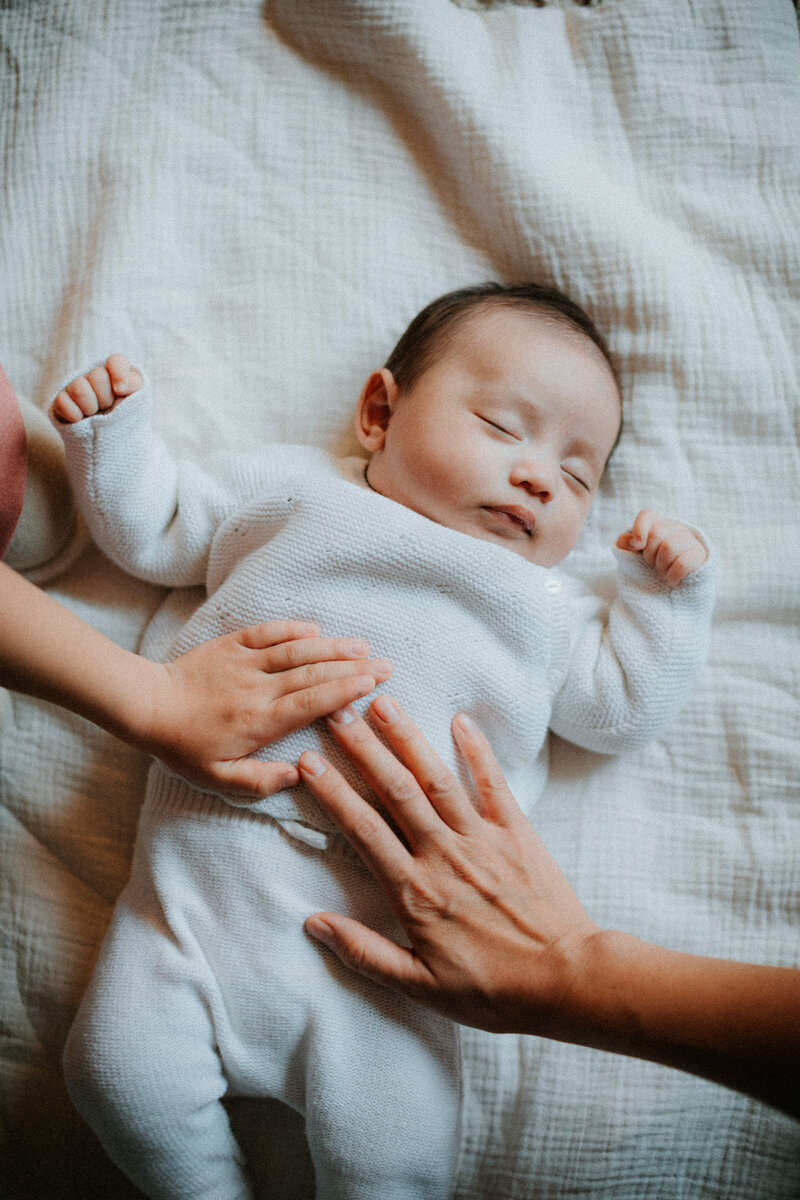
(381, 1075)
(142, 1068)
(376, 1077)
(383, 1102)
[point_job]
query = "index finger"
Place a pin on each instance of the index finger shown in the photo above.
(417, 788)
(443, 790)
(642, 528)
(497, 803)
(378, 846)
(395, 784)
(124, 378)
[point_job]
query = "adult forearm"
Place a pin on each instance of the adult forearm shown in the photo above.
(735, 1023)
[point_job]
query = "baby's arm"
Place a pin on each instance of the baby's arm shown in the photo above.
(673, 550)
(152, 514)
(631, 669)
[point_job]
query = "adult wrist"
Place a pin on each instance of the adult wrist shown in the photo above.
(599, 1004)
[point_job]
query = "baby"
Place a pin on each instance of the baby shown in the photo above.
(488, 432)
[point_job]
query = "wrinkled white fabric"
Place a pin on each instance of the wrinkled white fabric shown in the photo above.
(253, 200)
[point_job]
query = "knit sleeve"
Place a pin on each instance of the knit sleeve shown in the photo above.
(631, 670)
(151, 514)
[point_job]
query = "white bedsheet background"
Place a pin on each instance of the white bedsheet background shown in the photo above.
(252, 202)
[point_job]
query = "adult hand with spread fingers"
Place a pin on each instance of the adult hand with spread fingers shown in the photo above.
(499, 940)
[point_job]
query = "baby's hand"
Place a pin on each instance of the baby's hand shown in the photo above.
(98, 391)
(671, 549)
(215, 705)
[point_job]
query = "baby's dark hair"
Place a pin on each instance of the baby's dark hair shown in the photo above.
(430, 332)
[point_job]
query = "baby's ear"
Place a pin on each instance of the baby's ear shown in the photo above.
(375, 407)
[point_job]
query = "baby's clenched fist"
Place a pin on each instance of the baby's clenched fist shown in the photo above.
(673, 550)
(97, 391)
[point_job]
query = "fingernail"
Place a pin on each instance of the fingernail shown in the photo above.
(356, 649)
(343, 716)
(386, 709)
(465, 723)
(311, 764)
(320, 930)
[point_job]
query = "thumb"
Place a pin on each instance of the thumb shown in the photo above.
(366, 952)
(252, 780)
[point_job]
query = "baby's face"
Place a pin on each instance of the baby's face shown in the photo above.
(506, 437)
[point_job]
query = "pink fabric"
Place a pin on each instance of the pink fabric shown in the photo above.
(13, 462)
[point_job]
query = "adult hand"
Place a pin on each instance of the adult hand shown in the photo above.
(220, 702)
(496, 932)
(499, 940)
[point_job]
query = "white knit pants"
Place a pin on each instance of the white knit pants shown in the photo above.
(207, 986)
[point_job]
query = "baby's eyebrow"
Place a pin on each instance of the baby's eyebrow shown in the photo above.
(584, 448)
(589, 452)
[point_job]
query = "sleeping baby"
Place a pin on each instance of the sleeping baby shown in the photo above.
(488, 431)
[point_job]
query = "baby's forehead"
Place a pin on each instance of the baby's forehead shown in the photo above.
(477, 329)
(476, 338)
(492, 315)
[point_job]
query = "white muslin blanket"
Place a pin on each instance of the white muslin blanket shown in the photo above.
(253, 199)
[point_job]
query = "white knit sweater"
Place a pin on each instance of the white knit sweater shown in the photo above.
(282, 532)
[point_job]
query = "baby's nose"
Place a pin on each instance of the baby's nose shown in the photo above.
(534, 476)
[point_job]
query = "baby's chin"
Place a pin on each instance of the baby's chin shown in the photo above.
(531, 548)
(531, 552)
(528, 549)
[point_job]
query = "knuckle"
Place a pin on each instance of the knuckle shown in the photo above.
(304, 701)
(496, 780)
(354, 953)
(365, 827)
(404, 733)
(293, 652)
(314, 674)
(439, 786)
(402, 788)
(493, 783)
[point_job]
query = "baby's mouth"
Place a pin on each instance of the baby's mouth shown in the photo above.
(514, 515)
